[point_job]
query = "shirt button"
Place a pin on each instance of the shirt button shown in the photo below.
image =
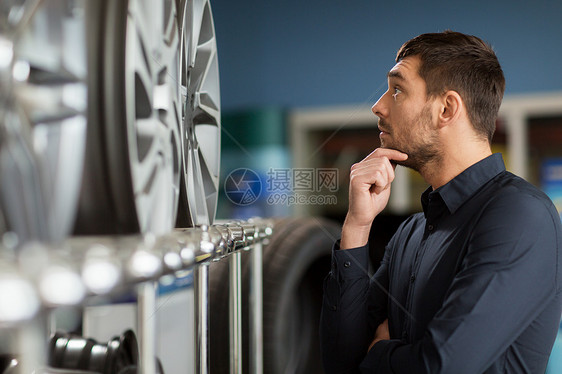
(346, 264)
(412, 278)
(430, 227)
(334, 308)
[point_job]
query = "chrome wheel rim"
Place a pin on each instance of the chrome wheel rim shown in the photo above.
(48, 111)
(200, 130)
(153, 113)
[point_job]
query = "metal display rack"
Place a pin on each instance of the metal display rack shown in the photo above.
(36, 280)
(110, 127)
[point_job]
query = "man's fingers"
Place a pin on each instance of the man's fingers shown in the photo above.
(376, 171)
(390, 166)
(371, 166)
(378, 189)
(391, 154)
(375, 180)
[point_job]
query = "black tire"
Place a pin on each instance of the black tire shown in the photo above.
(295, 262)
(104, 207)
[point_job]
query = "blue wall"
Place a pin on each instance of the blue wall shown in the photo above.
(298, 53)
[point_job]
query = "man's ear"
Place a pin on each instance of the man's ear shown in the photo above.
(450, 109)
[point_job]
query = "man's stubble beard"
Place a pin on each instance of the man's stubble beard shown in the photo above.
(422, 152)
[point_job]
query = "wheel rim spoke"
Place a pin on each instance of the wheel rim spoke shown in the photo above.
(51, 104)
(171, 39)
(198, 201)
(207, 137)
(207, 100)
(194, 23)
(143, 83)
(205, 54)
(211, 188)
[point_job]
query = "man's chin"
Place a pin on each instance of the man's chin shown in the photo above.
(409, 163)
(390, 146)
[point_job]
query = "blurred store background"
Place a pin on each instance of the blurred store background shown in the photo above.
(298, 79)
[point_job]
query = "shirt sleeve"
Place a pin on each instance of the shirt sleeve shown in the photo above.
(505, 280)
(348, 315)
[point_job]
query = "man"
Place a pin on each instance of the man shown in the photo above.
(472, 284)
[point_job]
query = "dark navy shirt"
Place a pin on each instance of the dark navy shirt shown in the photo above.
(471, 285)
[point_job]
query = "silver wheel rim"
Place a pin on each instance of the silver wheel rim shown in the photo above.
(49, 103)
(200, 111)
(153, 111)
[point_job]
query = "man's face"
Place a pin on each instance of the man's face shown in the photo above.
(405, 115)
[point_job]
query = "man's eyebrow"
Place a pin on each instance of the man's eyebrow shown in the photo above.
(395, 74)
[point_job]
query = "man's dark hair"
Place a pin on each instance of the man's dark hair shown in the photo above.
(465, 64)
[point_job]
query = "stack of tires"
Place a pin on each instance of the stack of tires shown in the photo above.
(295, 262)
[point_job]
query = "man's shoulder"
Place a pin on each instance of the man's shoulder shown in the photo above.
(519, 200)
(509, 188)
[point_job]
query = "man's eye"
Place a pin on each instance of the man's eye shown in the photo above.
(396, 92)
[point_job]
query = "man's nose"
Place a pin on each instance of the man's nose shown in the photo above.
(379, 109)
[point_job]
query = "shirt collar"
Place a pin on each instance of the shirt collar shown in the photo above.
(463, 186)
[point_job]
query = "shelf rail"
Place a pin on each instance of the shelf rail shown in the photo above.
(35, 279)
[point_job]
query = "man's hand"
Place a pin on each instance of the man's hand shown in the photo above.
(381, 333)
(369, 191)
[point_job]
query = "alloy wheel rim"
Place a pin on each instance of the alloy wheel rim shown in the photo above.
(153, 111)
(200, 111)
(48, 111)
